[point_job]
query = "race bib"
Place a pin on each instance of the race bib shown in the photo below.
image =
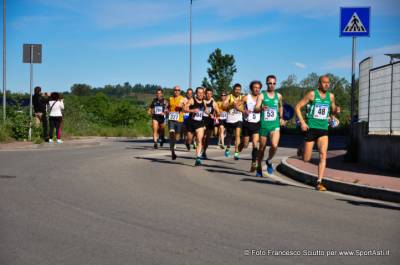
(223, 115)
(198, 116)
(270, 114)
(321, 111)
(253, 117)
(234, 116)
(158, 110)
(173, 116)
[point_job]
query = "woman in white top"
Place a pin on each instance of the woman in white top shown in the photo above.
(56, 106)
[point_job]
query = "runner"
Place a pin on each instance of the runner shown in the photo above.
(196, 108)
(234, 120)
(269, 103)
(189, 95)
(209, 119)
(322, 103)
(157, 109)
(175, 119)
(251, 123)
(221, 118)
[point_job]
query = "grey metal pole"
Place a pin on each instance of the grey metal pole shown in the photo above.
(30, 93)
(190, 48)
(353, 80)
(4, 61)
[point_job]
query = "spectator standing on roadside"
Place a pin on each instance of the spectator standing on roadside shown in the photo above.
(56, 106)
(40, 102)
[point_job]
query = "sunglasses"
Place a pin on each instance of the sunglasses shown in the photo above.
(271, 83)
(177, 90)
(223, 95)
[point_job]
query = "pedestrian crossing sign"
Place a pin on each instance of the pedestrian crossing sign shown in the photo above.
(355, 21)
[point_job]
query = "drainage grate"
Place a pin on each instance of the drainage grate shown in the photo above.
(7, 177)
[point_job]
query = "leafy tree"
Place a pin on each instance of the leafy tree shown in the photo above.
(221, 71)
(310, 82)
(81, 90)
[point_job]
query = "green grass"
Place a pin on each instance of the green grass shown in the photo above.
(90, 129)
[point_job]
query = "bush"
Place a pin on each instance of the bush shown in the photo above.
(20, 125)
(5, 132)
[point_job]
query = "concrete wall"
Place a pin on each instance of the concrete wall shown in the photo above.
(378, 151)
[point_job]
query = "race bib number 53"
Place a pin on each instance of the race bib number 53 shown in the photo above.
(270, 114)
(321, 111)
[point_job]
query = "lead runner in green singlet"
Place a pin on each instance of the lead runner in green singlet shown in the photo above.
(322, 104)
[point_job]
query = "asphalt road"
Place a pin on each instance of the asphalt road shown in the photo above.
(124, 203)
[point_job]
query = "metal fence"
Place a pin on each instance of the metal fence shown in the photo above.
(379, 97)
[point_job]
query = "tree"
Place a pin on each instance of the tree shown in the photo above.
(81, 90)
(221, 71)
(310, 82)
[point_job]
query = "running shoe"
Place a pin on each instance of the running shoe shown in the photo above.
(253, 167)
(236, 156)
(222, 146)
(174, 156)
(259, 173)
(227, 153)
(270, 169)
(162, 142)
(50, 141)
(188, 146)
(204, 156)
(198, 162)
(194, 145)
(320, 187)
(59, 141)
(155, 146)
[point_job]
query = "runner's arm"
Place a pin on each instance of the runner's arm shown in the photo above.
(216, 108)
(240, 105)
(280, 106)
(260, 99)
(335, 109)
(282, 122)
(304, 101)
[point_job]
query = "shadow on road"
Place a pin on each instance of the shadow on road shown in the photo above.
(162, 161)
(265, 181)
(370, 204)
(238, 172)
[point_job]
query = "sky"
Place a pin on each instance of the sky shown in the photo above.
(100, 42)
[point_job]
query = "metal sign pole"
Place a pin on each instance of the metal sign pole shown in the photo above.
(30, 93)
(353, 67)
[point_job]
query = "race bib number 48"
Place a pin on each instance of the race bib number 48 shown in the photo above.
(321, 111)
(270, 114)
(173, 116)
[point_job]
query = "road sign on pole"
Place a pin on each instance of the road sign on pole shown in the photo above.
(32, 53)
(355, 21)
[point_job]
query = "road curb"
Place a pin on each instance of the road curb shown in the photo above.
(339, 186)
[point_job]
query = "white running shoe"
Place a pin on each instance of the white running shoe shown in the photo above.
(59, 141)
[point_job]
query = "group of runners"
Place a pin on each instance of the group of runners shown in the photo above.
(239, 119)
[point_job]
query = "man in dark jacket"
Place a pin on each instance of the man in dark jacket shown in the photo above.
(39, 105)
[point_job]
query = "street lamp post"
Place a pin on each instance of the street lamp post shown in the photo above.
(4, 61)
(190, 45)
